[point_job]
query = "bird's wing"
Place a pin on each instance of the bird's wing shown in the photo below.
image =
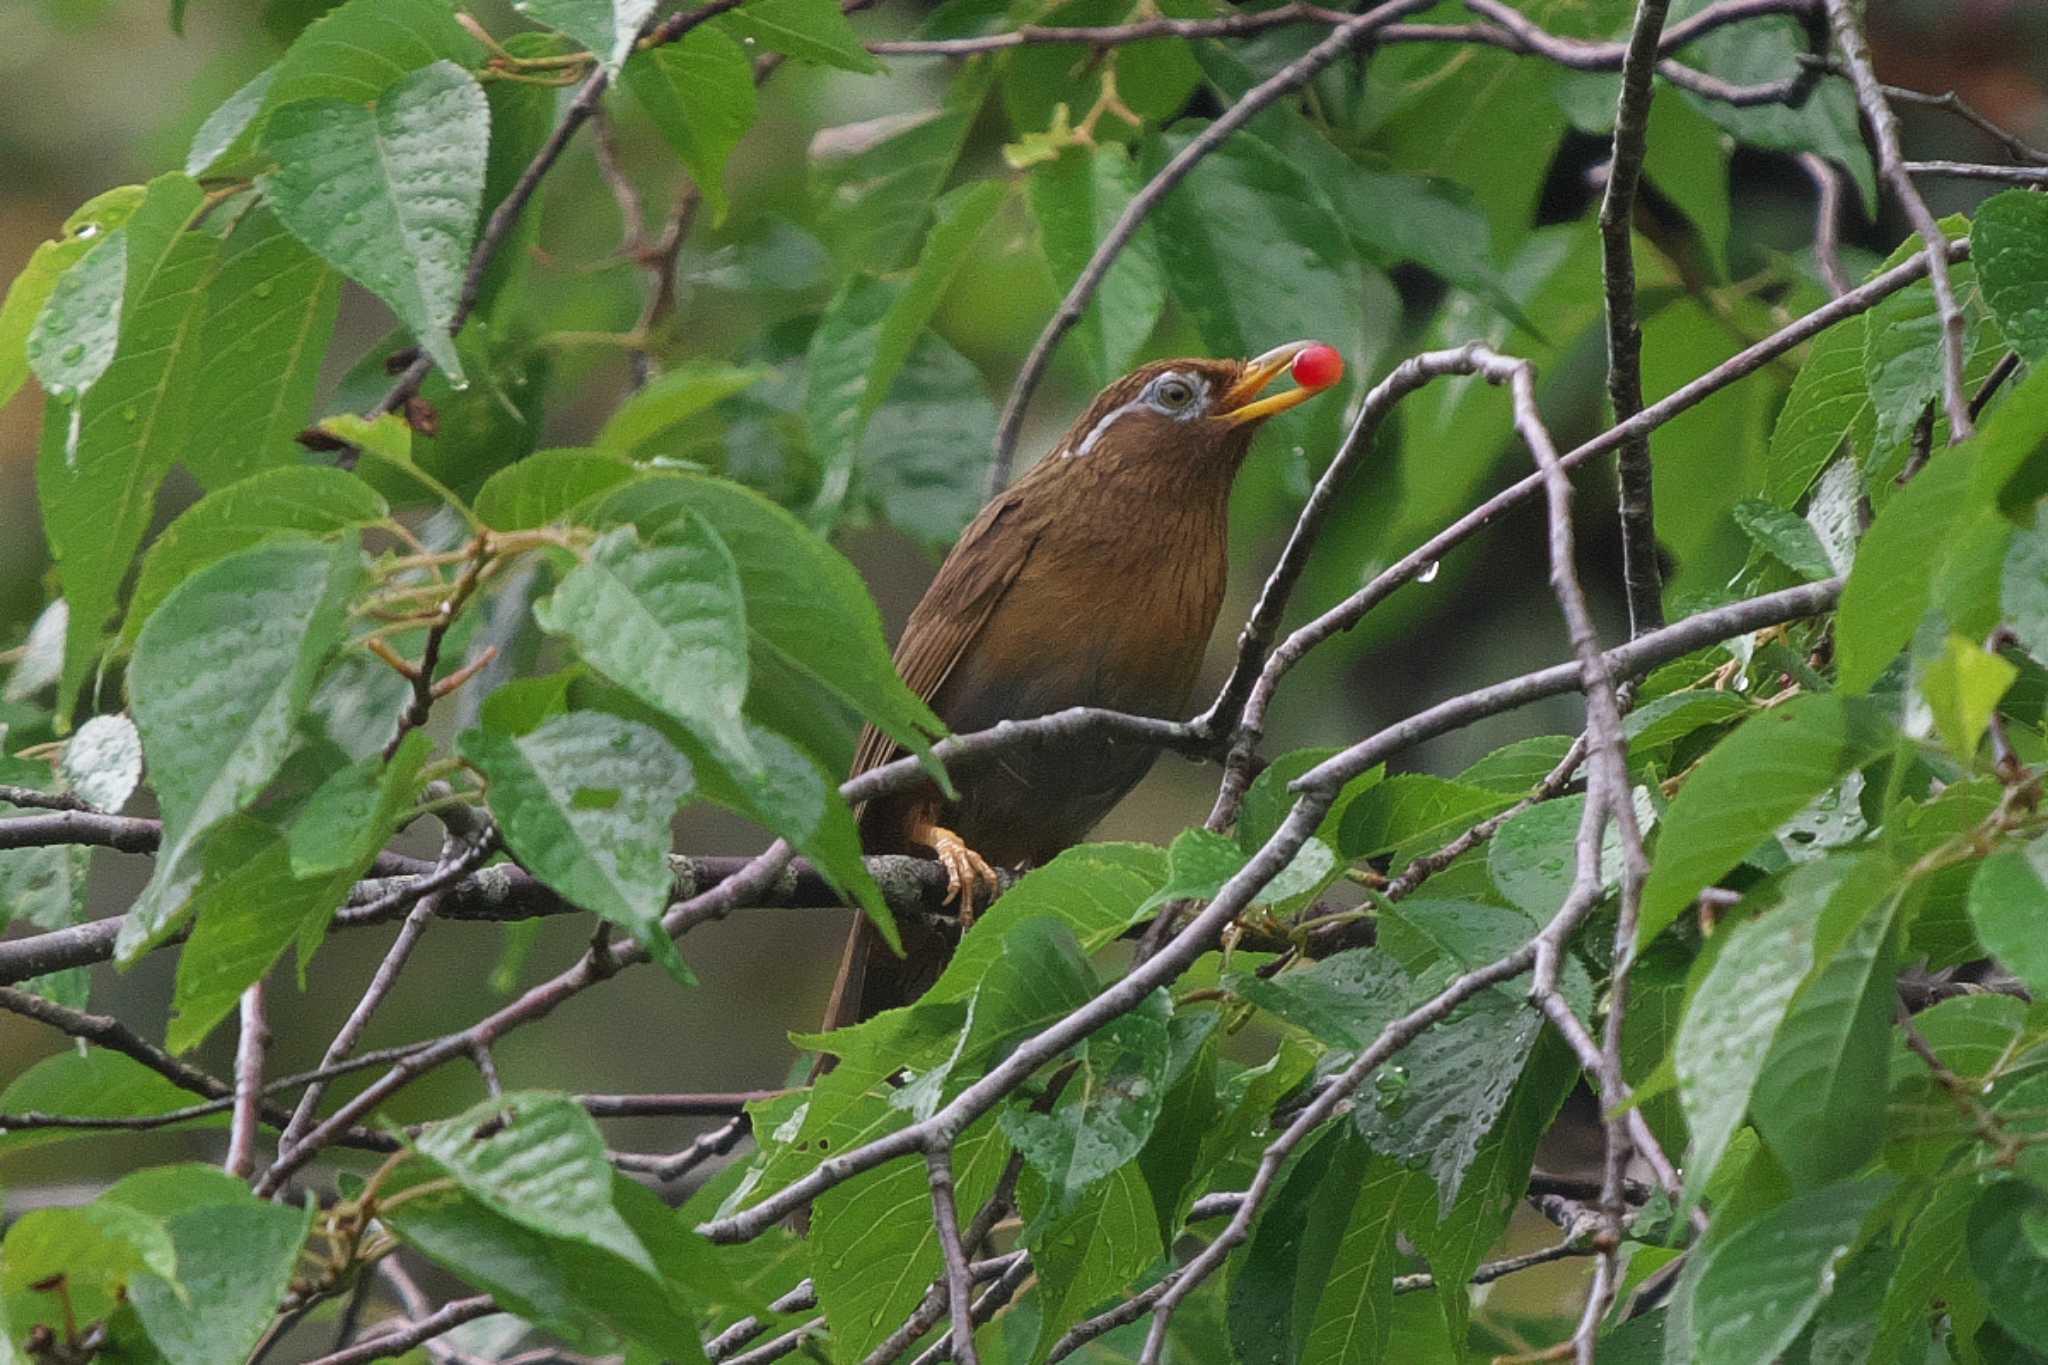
(953, 610)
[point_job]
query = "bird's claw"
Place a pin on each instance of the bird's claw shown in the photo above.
(966, 873)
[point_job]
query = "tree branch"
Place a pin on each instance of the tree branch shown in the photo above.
(1314, 791)
(1355, 28)
(1642, 579)
(1884, 128)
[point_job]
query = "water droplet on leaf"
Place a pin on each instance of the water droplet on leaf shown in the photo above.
(73, 354)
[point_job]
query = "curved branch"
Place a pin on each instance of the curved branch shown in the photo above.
(1355, 28)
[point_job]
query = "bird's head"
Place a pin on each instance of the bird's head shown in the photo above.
(1196, 412)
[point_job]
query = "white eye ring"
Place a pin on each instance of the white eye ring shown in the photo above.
(1174, 393)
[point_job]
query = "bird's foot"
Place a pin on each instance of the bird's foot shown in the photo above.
(967, 873)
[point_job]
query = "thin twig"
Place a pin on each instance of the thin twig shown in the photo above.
(535, 1004)
(1827, 220)
(1607, 799)
(397, 1342)
(1355, 29)
(1642, 579)
(250, 1045)
(1884, 129)
(1977, 170)
(938, 1165)
(506, 215)
(676, 1165)
(459, 859)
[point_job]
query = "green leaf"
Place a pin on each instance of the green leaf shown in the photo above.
(389, 194)
(277, 504)
(1774, 765)
(806, 606)
(1076, 198)
(875, 1248)
(73, 339)
(94, 1250)
(90, 1084)
(960, 218)
(2012, 466)
(388, 436)
(2023, 592)
(1255, 257)
(809, 30)
(1889, 587)
(247, 908)
(585, 802)
(923, 461)
(351, 815)
(1687, 161)
(1533, 858)
(1276, 1284)
(1666, 720)
(1517, 768)
(1820, 1098)
(550, 486)
(674, 397)
(1353, 1320)
(1434, 1106)
(609, 28)
(1154, 80)
(875, 180)
(1829, 403)
(269, 311)
(1344, 1000)
(868, 333)
(1902, 346)
(699, 91)
(1096, 890)
(221, 674)
(1091, 1254)
(360, 49)
(227, 128)
(2009, 907)
(1963, 688)
(1106, 1113)
(235, 1262)
(84, 231)
(44, 886)
(1413, 812)
(1734, 1015)
(1768, 50)
(1452, 127)
(1785, 537)
(665, 620)
(1761, 1285)
(103, 456)
(1267, 802)
(1200, 862)
(542, 1165)
(570, 1289)
(1454, 1239)
(2009, 244)
(2010, 1263)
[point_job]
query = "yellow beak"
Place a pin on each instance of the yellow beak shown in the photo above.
(1243, 404)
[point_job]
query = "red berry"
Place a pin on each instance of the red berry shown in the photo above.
(1318, 367)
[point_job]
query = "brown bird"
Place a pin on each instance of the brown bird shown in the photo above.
(1094, 580)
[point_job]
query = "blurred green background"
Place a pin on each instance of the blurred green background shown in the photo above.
(101, 93)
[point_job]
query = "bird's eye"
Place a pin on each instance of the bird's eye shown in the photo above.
(1175, 392)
